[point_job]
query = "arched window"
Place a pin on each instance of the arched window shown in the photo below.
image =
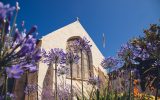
(86, 62)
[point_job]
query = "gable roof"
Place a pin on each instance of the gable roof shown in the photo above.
(59, 37)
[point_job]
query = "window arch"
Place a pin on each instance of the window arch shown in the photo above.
(86, 61)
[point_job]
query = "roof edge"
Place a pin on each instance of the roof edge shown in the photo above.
(51, 33)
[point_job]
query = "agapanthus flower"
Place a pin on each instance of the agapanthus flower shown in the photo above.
(18, 46)
(11, 96)
(109, 62)
(37, 55)
(28, 47)
(54, 56)
(19, 49)
(126, 52)
(5, 10)
(19, 37)
(32, 30)
(82, 44)
(140, 53)
(14, 71)
(30, 67)
(71, 57)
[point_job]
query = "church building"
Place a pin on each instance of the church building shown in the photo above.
(61, 38)
(44, 78)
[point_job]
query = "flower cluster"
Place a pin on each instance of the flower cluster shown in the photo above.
(82, 44)
(130, 52)
(140, 53)
(60, 57)
(5, 11)
(10, 96)
(109, 62)
(126, 52)
(14, 71)
(18, 48)
(71, 57)
(55, 55)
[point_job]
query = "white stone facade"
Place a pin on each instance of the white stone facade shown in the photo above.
(58, 39)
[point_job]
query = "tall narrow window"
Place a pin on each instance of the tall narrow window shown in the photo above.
(85, 65)
(78, 73)
(86, 62)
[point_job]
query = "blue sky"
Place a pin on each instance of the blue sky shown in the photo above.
(120, 20)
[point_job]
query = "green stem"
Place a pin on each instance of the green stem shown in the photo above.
(56, 98)
(130, 83)
(108, 84)
(3, 34)
(156, 96)
(2, 40)
(6, 87)
(63, 84)
(3, 86)
(71, 81)
(90, 96)
(82, 74)
(27, 83)
(14, 21)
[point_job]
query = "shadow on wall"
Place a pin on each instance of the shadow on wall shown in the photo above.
(47, 90)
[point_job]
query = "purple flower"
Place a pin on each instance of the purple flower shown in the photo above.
(11, 96)
(71, 58)
(138, 52)
(37, 55)
(19, 48)
(126, 52)
(28, 47)
(32, 30)
(14, 71)
(82, 44)
(109, 62)
(5, 10)
(31, 67)
(54, 56)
